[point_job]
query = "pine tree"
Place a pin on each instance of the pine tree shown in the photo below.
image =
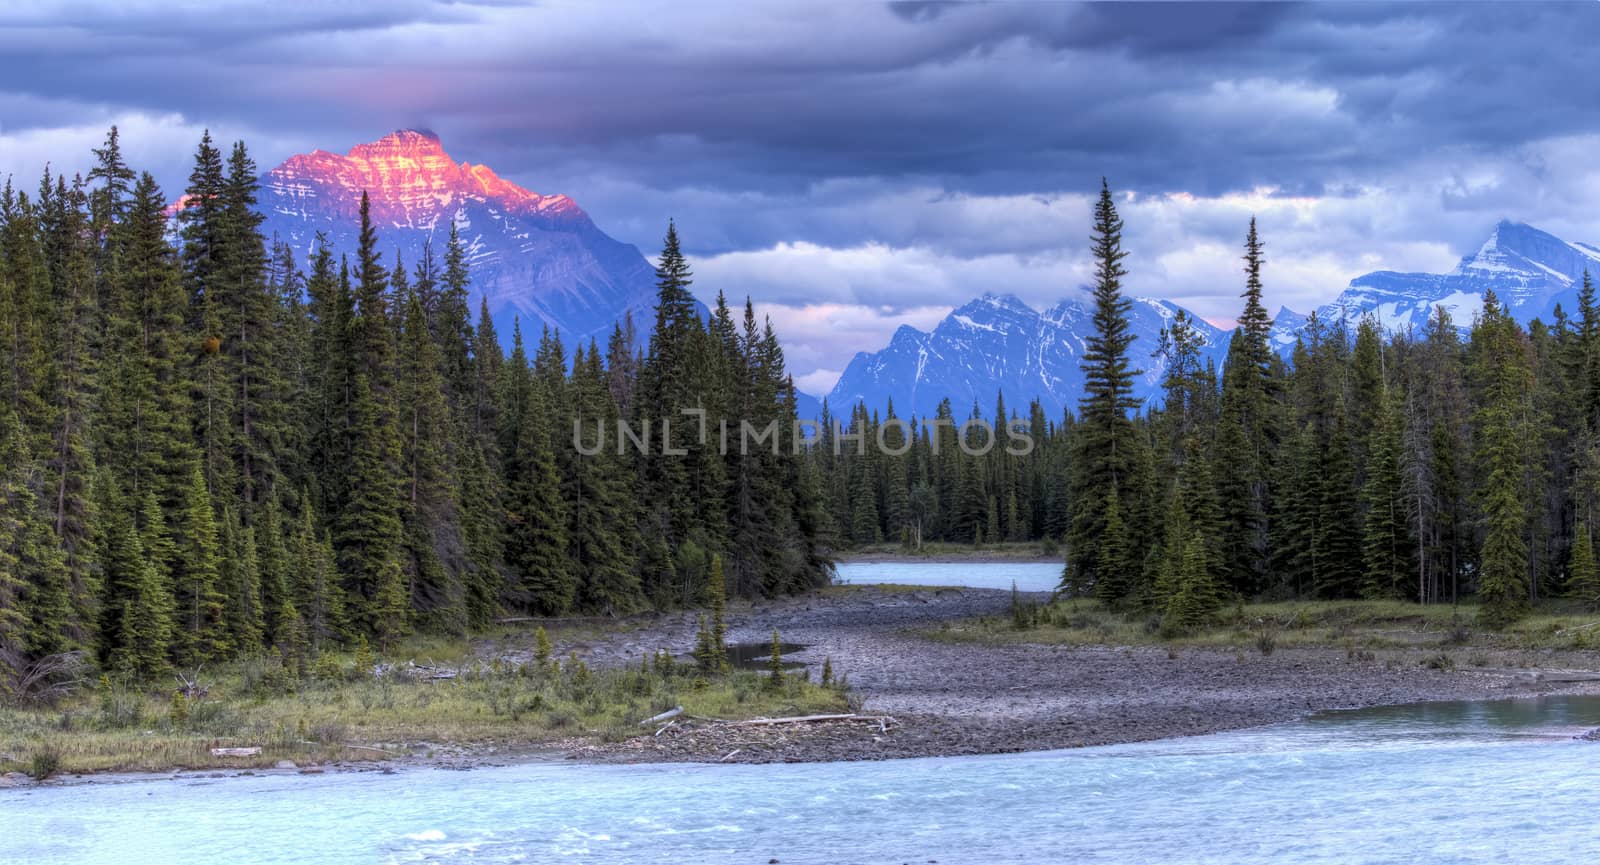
(245, 309)
(140, 620)
(71, 384)
(197, 578)
(537, 544)
(241, 580)
(1106, 439)
(320, 599)
(432, 509)
(368, 532)
(1583, 575)
(600, 518)
(1503, 375)
(1247, 432)
(774, 680)
(1196, 596)
(1115, 567)
(666, 385)
(35, 612)
(716, 657)
(1386, 543)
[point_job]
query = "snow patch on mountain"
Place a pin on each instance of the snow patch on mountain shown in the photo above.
(996, 345)
(536, 258)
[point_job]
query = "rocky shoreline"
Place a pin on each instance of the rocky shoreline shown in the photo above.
(953, 699)
(921, 697)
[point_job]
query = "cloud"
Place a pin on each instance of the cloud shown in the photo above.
(880, 159)
(819, 338)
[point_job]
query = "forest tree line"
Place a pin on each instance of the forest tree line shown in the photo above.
(1416, 465)
(210, 450)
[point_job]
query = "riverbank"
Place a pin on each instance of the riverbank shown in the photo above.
(931, 672)
(951, 696)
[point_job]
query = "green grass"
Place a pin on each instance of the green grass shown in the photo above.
(345, 716)
(1364, 625)
(847, 589)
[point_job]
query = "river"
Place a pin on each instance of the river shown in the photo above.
(1026, 576)
(1432, 783)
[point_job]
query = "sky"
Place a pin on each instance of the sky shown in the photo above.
(855, 166)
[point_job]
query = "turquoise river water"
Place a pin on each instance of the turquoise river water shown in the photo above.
(1500, 782)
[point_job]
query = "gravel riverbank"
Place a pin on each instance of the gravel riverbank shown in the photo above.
(963, 698)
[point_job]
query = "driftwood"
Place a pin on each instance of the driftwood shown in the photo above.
(730, 755)
(384, 751)
(190, 686)
(235, 752)
(664, 716)
(880, 720)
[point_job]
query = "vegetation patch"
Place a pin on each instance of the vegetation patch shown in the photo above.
(1267, 627)
(392, 709)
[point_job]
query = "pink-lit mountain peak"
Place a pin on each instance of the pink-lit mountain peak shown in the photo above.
(410, 179)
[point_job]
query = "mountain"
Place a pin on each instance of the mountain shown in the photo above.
(997, 344)
(535, 257)
(1531, 271)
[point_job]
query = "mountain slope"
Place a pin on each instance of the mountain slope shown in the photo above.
(997, 345)
(536, 257)
(1531, 271)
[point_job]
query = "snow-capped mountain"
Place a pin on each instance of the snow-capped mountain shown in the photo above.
(995, 345)
(1531, 271)
(536, 257)
(998, 343)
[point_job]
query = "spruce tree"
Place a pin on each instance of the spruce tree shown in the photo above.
(368, 532)
(432, 508)
(140, 631)
(1196, 596)
(595, 489)
(1503, 376)
(1583, 575)
(246, 614)
(1114, 568)
(35, 610)
(1386, 543)
(1106, 439)
(320, 598)
(197, 578)
(1247, 433)
(537, 545)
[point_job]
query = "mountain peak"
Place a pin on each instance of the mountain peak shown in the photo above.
(1519, 247)
(533, 257)
(411, 180)
(413, 142)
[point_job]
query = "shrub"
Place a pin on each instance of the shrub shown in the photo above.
(1267, 639)
(774, 680)
(542, 649)
(44, 762)
(42, 681)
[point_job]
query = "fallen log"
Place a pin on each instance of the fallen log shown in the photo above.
(881, 720)
(384, 751)
(235, 752)
(664, 716)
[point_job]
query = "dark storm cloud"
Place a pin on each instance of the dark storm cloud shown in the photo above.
(961, 128)
(994, 98)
